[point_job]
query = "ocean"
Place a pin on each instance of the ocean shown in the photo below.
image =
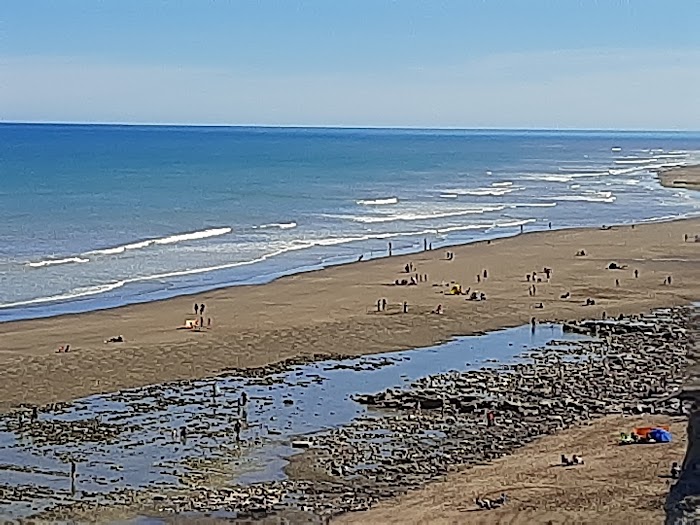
(97, 216)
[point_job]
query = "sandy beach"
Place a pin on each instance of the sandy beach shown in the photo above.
(333, 311)
(687, 177)
(543, 492)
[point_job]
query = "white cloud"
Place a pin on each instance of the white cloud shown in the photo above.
(580, 89)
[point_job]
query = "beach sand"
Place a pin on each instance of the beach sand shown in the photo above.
(615, 485)
(686, 177)
(333, 311)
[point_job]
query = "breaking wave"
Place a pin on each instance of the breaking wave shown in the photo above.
(482, 192)
(279, 225)
(599, 196)
(171, 239)
(52, 262)
(378, 202)
(420, 216)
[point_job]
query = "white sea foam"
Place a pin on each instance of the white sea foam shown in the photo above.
(590, 196)
(279, 225)
(295, 245)
(581, 170)
(482, 192)
(565, 175)
(171, 239)
(215, 232)
(645, 167)
(122, 249)
(501, 184)
(532, 205)
(420, 216)
(511, 224)
(546, 177)
(378, 202)
(448, 196)
(53, 262)
(634, 160)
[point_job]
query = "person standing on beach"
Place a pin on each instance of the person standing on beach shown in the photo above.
(73, 475)
(237, 429)
(383, 304)
(390, 249)
(201, 309)
(425, 244)
(405, 307)
(196, 308)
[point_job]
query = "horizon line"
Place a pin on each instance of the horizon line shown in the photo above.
(337, 126)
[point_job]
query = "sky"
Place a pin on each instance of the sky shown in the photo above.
(584, 64)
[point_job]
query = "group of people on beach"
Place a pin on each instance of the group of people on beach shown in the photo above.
(199, 323)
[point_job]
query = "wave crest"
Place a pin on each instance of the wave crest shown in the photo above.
(279, 225)
(171, 239)
(53, 262)
(378, 202)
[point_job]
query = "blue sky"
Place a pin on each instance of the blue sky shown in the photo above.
(496, 63)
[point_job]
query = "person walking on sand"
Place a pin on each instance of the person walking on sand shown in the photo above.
(405, 307)
(636, 274)
(383, 305)
(73, 475)
(196, 308)
(379, 305)
(201, 309)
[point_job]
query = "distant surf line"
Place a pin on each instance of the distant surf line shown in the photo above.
(295, 245)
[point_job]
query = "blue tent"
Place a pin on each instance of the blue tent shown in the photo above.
(660, 435)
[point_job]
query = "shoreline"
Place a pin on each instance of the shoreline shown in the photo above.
(574, 397)
(686, 177)
(332, 310)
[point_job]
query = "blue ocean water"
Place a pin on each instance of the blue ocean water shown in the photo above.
(99, 216)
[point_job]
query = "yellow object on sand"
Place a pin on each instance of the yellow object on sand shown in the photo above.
(456, 290)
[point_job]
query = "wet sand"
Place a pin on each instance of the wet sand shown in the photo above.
(687, 177)
(333, 311)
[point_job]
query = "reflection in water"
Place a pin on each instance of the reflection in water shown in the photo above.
(161, 434)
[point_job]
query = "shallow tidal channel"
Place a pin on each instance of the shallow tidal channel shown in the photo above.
(131, 439)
